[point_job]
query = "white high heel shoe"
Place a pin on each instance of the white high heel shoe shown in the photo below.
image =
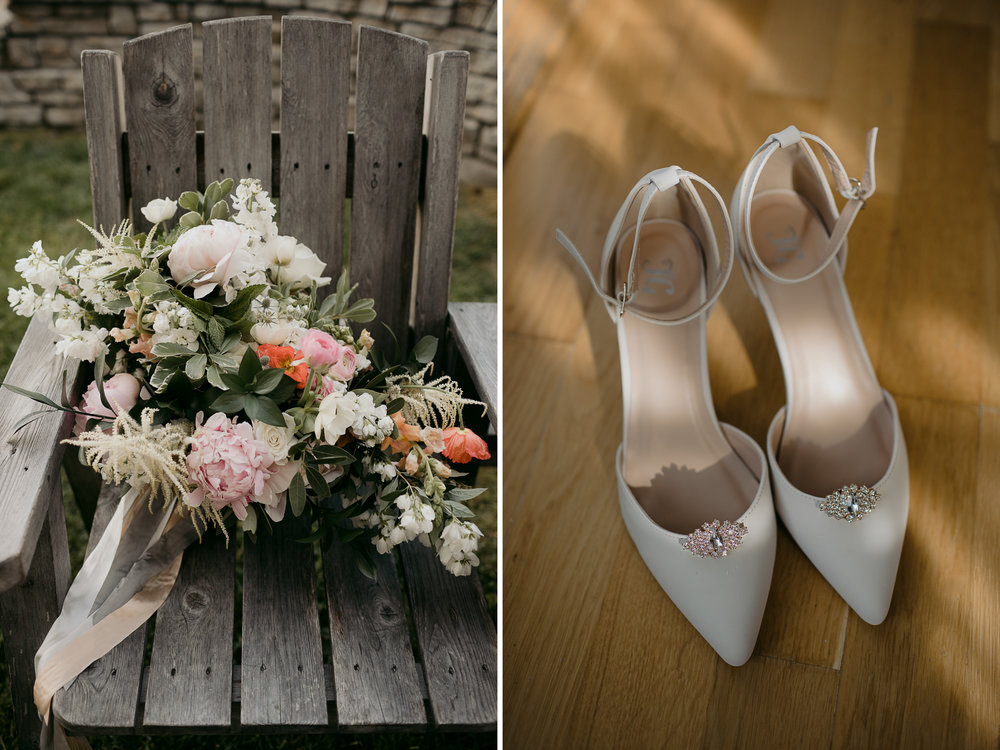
(694, 493)
(836, 451)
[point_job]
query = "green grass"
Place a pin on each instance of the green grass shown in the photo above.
(44, 189)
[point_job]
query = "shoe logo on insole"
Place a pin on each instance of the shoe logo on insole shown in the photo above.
(786, 245)
(663, 274)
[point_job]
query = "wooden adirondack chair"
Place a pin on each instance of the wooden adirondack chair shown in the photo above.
(399, 168)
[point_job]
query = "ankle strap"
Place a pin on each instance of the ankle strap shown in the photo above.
(855, 191)
(657, 181)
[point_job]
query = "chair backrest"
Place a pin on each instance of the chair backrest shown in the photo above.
(399, 167)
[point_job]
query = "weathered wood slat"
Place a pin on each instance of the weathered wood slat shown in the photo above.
(457, 639)
(28, 611)
(104, 110)
(314, 133)
(376, 681)
(473, 331)
(237, 55)
(159, 111)
(190, 669)
(390, 110)
(30, 458)
(444, 124)
(106, 694)
(282, 649)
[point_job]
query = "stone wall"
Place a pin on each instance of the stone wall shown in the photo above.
(40, 46)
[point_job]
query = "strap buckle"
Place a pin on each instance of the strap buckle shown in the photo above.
(623, 298)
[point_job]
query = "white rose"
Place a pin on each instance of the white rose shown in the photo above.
(275, 334)
(277, 439)
(159, 209)
(336, 415)
(293, 263)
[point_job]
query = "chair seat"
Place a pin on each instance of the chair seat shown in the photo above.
(201, 677)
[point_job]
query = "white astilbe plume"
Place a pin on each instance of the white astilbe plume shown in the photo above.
(140, 453)
(434, 404)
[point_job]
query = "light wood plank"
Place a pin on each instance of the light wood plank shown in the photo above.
(909, 680)
(457, 640)
(105, 696)
(375, 677)
(190, 669)
(387, 147)
(444, 124)
(473, 327)
(104, 109)
(282, 651)
(159, 112)
(315, 87)
(932, 344)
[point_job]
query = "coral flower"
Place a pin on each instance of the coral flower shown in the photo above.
(408, 434)
(285, 358)
(462, 445)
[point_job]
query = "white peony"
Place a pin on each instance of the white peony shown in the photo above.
(277, 439)
(337, 413)
(159, 209)
(276, 334)
(293, 263)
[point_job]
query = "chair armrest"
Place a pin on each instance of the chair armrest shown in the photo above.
(473, 331)
(30, 458)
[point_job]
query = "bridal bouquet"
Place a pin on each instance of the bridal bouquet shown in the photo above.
(226, 388)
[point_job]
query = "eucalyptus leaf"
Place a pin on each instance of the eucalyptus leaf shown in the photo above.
(425, 349)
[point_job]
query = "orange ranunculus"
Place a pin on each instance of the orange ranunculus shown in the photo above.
(462, 445)
(284, 358)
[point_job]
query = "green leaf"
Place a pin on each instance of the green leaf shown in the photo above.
(212, 373)
(170, 349)
(315, 536)
(195, 367)
(250, 365)
(213, 193)
(234, 382)
(190, 200)
(264, 410)
(284, 390)
(319, 486)
(349, 535)
(362, 311)
(461, 494)
(230, 341)
(425, 349)
(331, 454)
(149, 282)
(220, 211)
(267, 380)
(31, 417)
(458, 510)
(249, 523)
(189, 220)
(395, 405)
(162, 376)
(297, 495)
(364, 560)
(198, 307)
(226, 186)
(236, 309)
(216, 333)
(229, 402)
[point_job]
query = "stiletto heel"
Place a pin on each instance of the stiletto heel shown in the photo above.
(836, 450)
(694, 494)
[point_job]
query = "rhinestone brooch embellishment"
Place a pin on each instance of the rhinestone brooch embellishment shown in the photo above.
(850, 503)
(714, 539)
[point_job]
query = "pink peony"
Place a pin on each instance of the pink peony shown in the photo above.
(215, 249)
(320, 349)
(122, 391)
(325, 387)
(343, 369)
(230, 468)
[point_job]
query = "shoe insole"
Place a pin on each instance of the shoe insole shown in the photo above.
(677, 461)
(837, 426)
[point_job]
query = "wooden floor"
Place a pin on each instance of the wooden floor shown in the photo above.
(596, 94)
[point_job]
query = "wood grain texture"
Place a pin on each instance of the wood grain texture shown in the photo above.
(595, 654)
(104, 109)
(282, 653)
(315, 87)
(457, 640)
(190, 669)
(237, 59)
(444, 124)
(28, 611)
(105, 696)
(30, 458)
(472, 327)
(387, 147)
(159, 112)
(375, 677)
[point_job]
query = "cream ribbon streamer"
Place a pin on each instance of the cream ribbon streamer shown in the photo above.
(123, 581)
